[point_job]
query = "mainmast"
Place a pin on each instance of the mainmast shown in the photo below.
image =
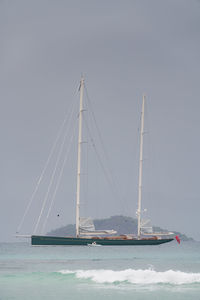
(140, 169)
(79, 158)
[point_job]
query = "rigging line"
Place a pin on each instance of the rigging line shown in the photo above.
(102, 144)
(100, 160)
(45, 168)
(53, 174)
(84, 201)
(59, 179)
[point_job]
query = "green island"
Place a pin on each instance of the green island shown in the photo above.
(122, 224)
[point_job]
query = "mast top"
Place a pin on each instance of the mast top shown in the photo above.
(81, 83)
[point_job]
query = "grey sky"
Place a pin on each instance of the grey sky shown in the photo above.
(124, 48)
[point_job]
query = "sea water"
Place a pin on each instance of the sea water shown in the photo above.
(168, 271)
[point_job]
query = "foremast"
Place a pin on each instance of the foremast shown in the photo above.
(79, 159)
(140, 168)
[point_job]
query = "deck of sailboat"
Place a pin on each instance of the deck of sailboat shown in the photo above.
(104, 241)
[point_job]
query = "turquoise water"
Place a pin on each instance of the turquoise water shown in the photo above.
(169, 271)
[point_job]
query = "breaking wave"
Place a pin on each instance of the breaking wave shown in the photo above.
(144, 277)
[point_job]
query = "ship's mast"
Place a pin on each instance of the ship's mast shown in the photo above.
(140, 169)
(79, 159)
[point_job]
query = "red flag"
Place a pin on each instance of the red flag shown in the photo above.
(177, 238)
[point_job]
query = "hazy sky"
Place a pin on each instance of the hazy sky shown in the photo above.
(123, 48)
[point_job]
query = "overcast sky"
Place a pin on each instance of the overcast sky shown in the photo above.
(123, 48)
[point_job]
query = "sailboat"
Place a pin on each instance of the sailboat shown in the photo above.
(85, 230)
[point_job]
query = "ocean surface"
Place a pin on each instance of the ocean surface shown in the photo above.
(169, 271)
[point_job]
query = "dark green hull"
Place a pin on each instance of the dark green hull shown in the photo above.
(39, 240)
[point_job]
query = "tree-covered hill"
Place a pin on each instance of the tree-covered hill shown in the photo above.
(122, 224)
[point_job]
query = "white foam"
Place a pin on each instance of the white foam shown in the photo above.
(136, 276)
